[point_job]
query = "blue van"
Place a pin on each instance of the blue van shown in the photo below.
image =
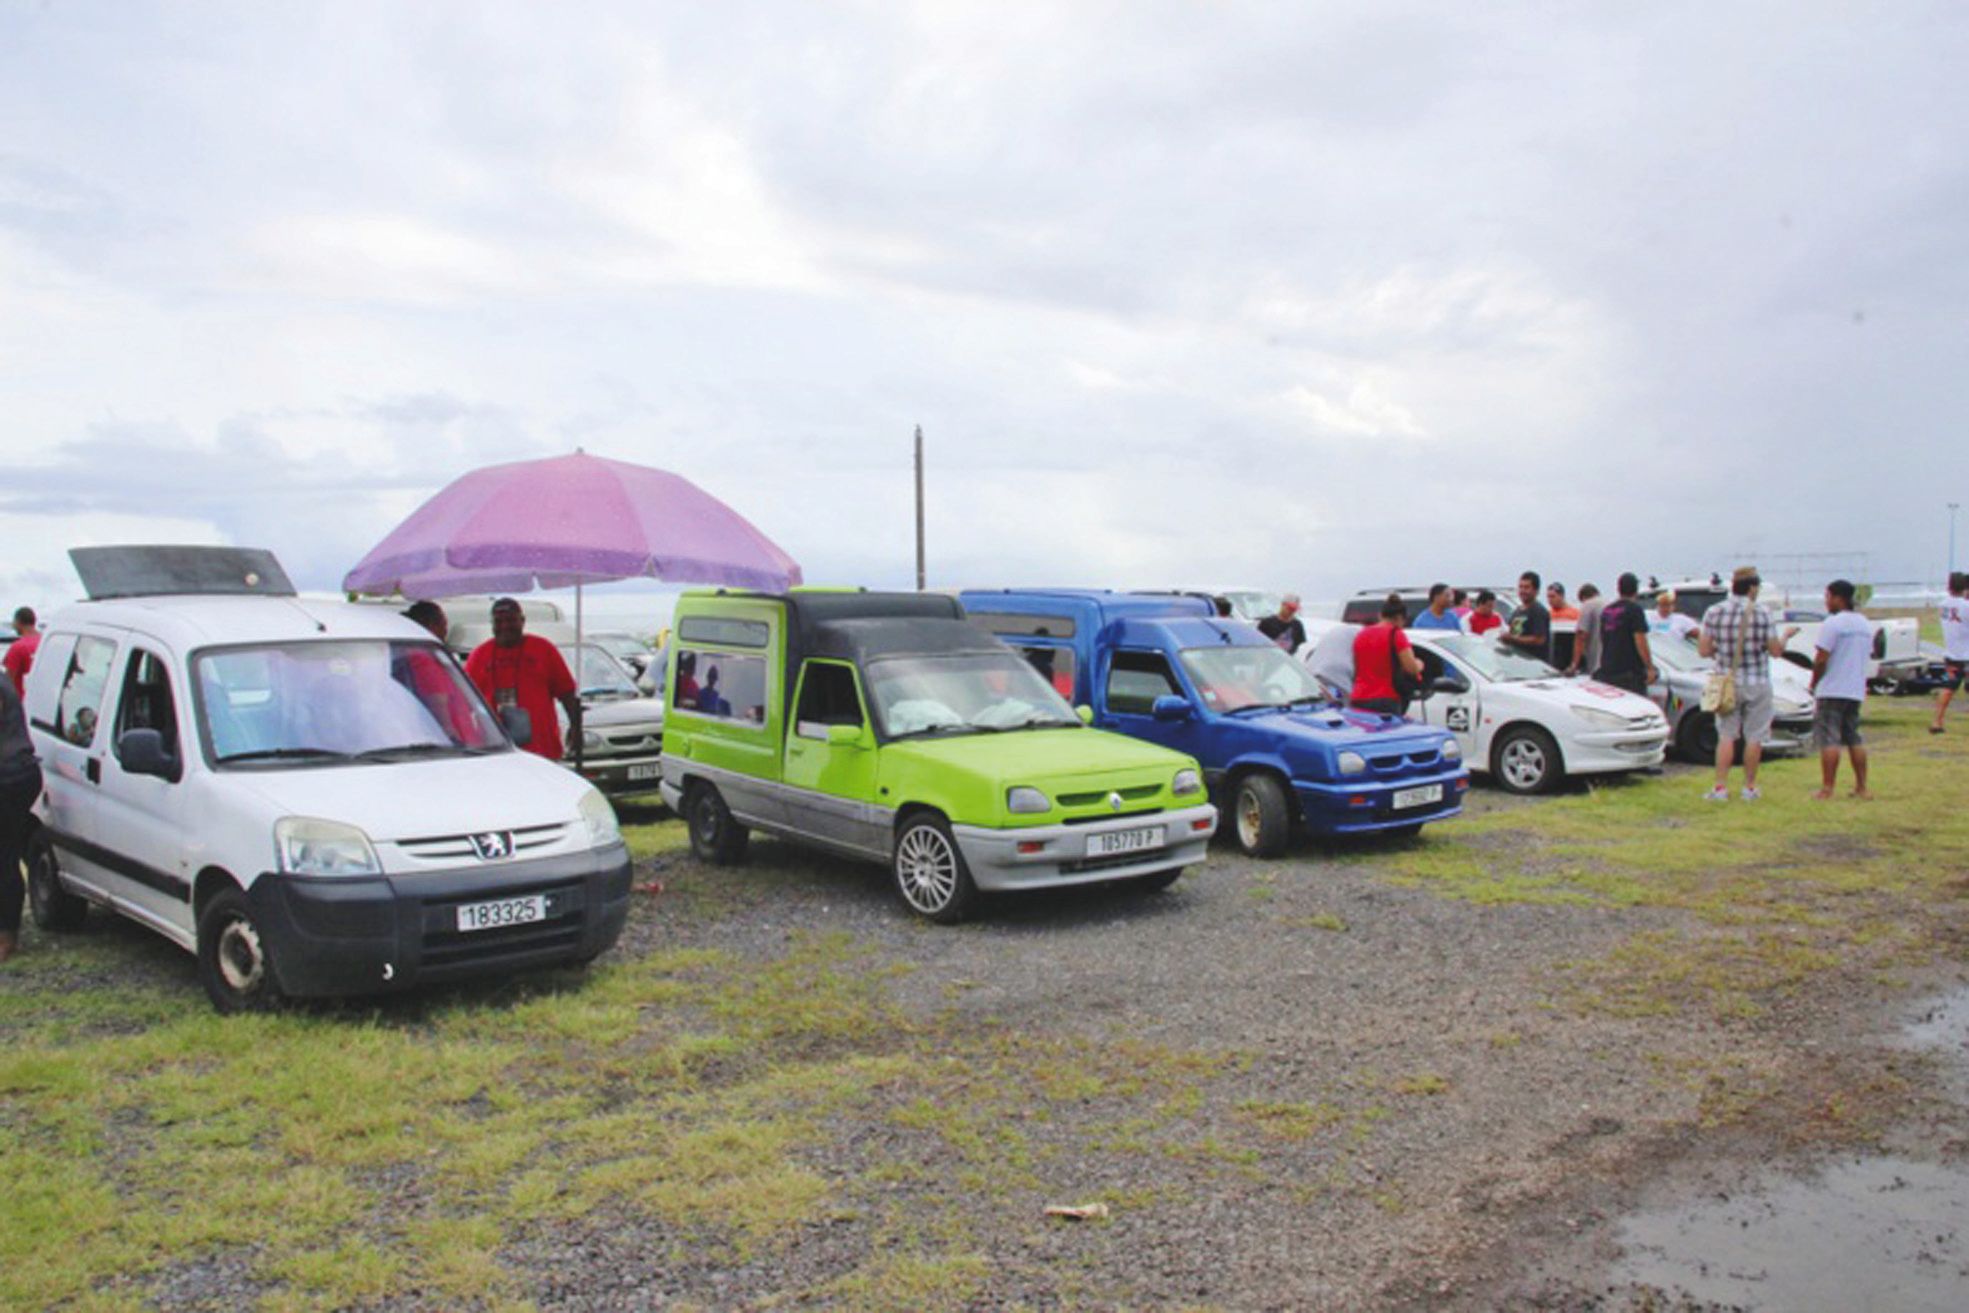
(1275, 751)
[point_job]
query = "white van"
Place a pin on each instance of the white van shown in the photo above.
(309, 796)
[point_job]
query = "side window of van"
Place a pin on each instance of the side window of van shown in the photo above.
(82, 689)
(1055, 666)
(728, 685)
(44, 691)
(1137, 679)
(827, 697)
(146, 700)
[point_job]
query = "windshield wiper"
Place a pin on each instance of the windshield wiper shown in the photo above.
(1258, 706)
(405, 751)
(1030, 722)
(285, 754)
(953, 728)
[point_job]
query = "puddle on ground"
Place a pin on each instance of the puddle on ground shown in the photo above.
(1863, 1234)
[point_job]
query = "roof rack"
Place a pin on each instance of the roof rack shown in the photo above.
(178, 570)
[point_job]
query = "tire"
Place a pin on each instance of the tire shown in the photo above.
(1526, 761)
(235, 963)
(1695, 737)
(1154, 884)
(930, 875)
(53, 907)
(716, 835)
(1261, 818)
(1404, 831)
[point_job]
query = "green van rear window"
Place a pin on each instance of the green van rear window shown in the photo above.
(724, 632)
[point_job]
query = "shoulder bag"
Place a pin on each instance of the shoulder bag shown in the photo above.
(1719, 691)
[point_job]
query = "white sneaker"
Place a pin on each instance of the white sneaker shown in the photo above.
(1716, 795)
(1751, 795)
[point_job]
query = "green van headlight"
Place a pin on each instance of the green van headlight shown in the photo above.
(1187, 781)
(1026, 800)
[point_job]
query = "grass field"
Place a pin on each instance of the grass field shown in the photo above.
(434, 1151)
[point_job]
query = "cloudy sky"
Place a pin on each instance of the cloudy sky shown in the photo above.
(1293, 294)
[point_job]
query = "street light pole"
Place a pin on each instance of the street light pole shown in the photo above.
(921, 579)
(1951, 535)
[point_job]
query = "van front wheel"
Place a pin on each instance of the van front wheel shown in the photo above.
(234, 964)
(930, 873)
(54, 907)
(716, 835)
(1263, 817)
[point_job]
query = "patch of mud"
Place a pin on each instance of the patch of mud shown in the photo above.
(1941, 1027)
(1872, 1233)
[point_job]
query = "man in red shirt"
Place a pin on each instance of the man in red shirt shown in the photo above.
(20, 653)
(1484, 616)
(1377, 649)
(516, 669)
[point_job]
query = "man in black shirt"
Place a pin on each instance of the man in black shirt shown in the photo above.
(1625, 661)
(1531, 623)
(1283, 628)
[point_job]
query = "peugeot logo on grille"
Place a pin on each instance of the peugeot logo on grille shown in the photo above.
(493, 845)
(1114, 802)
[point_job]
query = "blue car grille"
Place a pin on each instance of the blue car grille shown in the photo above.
(1402, 763)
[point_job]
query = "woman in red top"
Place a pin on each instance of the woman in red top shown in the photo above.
(1376, 650)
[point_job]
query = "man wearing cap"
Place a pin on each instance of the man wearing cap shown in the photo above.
(516, 669)
(1742, 638)
(1285, 628)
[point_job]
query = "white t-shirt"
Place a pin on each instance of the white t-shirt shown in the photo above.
(1847, 640)
(1955, 627)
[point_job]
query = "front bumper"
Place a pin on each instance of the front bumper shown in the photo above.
(1361, 805)
(622, 775)
(1052, 856)
(1601, 752)
(378, 934)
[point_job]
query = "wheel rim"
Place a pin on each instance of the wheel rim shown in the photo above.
(1250, 817)
(40, 884)
(241, 960)
(926, 869)
(1524, 763)
(706, 816)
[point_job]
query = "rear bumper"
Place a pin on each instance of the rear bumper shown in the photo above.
(1051, 856)
(1361, 806)
(622, 775)
(341, 936)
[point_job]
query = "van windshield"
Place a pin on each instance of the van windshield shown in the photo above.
(298, 704)
(976, 693)
(1234, 678)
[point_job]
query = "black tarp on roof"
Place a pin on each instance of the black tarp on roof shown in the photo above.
(862, 641)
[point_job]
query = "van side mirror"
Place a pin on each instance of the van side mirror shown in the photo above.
(844, 736)
(141, 752)
(518, 724)
(1171, 707)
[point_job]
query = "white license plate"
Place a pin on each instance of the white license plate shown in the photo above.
(647, 771)
(1124, 841)
(1421, 797)
(504, 912)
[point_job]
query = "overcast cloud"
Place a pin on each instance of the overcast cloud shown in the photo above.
(1303, 295)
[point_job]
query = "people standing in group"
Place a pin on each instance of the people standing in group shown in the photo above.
(1586, 635)
(1437, 615)
(1285, 628)
(1955, 644)
(1743, 638)
(1530, 631)
(1483, 614)
(20, 653)
(1667, 620)
(1845, 644)
(1620, 631)
(516, 669)
(1380, 651)
(20, 785)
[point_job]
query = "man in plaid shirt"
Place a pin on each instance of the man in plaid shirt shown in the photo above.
(1743, 638)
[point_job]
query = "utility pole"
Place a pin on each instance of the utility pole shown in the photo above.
(921, 580)
(1951, 535)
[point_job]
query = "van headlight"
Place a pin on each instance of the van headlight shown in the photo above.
(1186, 782)
(591, 741)
(599, 818)
(306, 846)
(1352, 763)
(1599, 719)
(1026, 800)
(1452, 750)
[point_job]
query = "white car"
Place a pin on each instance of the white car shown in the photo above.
(308, 796)
(1518, 720)
(1896, 653)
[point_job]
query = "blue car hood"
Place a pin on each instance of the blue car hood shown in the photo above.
(1341, 727)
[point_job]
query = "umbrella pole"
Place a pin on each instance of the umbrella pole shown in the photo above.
(580, 748)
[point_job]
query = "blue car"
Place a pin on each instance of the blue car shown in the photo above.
(1279, 757)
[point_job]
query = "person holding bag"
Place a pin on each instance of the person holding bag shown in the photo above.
(1387, 674)
(1743, 638)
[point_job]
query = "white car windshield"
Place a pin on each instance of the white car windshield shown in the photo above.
(1234, 678)
(1678, 656)
(1487, 658)
(601, 675)
(975, 693)
(373, 700)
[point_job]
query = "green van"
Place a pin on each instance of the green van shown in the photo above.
(884, 726)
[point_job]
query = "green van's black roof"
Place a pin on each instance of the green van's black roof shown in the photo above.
(868, 639)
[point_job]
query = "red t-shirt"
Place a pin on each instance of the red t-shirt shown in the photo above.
(1374, 661)
(1483, 624)
(532, 677)
(20, 659)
